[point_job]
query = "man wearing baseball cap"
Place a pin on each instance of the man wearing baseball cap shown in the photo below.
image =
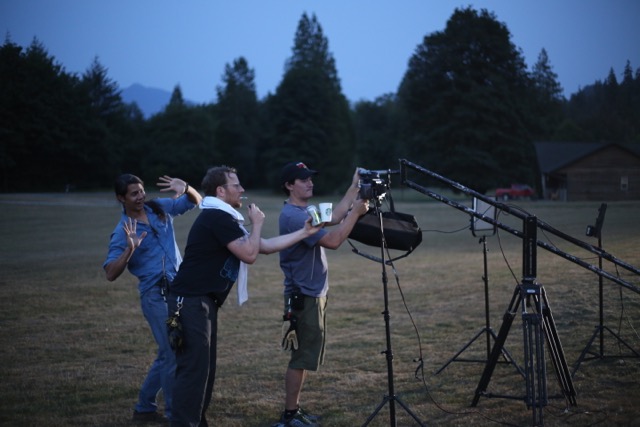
(295, 170)
(306, 281)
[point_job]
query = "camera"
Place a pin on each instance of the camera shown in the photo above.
(372, 186)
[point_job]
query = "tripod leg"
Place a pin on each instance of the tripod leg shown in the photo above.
(391, 400)
(487, 329)
(375, 412)
(599, 332)
(535, 373)
(557, 354)
(406, 408)
(623, 342)
(455, 357)
(596, 333)
(507, 320)
(507, 356)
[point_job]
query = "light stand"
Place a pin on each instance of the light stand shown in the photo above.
(482, 229)
(390, 398)
(596, 231)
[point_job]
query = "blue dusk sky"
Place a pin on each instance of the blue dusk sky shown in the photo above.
(164, 43)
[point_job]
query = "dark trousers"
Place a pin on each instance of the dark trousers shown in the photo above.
(196, 362)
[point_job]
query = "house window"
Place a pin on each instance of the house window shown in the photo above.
(624, 183)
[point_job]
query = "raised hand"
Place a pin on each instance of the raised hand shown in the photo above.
(172, 184)
(132, 236)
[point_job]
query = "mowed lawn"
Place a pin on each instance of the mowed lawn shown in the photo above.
(75, 347)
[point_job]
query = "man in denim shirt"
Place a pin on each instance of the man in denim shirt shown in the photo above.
(144, 242)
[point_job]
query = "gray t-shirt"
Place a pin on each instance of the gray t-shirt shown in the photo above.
(304, 264)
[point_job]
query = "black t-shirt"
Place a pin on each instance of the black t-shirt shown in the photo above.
(209, 268)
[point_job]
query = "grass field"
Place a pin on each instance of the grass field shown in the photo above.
(75, 347)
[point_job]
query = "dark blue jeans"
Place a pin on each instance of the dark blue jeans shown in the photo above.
(162, 371)
(195, 362)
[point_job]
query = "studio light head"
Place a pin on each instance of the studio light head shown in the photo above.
(478, 226)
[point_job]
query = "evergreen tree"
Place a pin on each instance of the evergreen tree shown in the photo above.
(608, 110)
(466, 95)
(176, 102)
(610, 90)
(109, 138)
(627, 74)
(104, 94)
(237, 132)
(42, 120)
(13, 141)
(545, 79)
(179, 141)
(308, 116)
(377, 128)
(630, 103)
(547, 100)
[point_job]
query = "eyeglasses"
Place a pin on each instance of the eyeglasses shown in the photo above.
(237, 186)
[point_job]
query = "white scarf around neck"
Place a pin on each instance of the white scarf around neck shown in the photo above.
(210, 202)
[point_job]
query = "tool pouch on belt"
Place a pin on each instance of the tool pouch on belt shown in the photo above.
(290, 322)
(174, 328)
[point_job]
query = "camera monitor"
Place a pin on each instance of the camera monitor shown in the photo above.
(480, 227)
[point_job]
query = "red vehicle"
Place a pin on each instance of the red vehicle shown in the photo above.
(516, 191)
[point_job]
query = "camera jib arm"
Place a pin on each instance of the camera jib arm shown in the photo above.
(538, 324)
(406, 165)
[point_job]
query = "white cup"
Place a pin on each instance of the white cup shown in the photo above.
(326, 210)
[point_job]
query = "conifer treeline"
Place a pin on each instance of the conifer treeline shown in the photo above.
(467, 107)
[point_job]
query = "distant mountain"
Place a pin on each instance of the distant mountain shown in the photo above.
(150, 100)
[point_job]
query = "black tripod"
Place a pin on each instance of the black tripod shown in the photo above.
(391, 398)
(537, 325)
(596, 231)
(487, 330)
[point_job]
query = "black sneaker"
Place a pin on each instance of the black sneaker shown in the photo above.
(299, 419)
(310, 417)
(146, 417)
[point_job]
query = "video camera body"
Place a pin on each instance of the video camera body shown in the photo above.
(372, 185)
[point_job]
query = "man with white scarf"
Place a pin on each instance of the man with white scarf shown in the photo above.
(217, 246)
